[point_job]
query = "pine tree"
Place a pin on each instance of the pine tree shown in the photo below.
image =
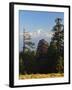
(58, 37)
(56, 49)
(27, 43)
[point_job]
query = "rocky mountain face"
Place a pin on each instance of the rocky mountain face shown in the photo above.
(42, 47)
(42, 57)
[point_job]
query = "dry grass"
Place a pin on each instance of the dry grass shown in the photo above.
(37, 76)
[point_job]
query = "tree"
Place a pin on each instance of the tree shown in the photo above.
(21, 66)
(56, 49)
(58, 37)
(52, 58)
(27, 43)
(26, 57)
(60, 65)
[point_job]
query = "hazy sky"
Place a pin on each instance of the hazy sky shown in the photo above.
(38, 23)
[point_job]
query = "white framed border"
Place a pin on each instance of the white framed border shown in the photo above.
(49, 8)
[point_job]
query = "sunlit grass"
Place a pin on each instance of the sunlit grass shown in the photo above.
(37, 76)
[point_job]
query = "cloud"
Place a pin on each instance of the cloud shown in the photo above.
(37, 35)
(41, 33)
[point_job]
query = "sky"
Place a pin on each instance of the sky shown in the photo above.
(39, 24)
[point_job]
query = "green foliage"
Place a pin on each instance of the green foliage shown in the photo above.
(58, 37)
(52, 57)
(28, 61)
(56, 49)
(21, 67)
(60, 65)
